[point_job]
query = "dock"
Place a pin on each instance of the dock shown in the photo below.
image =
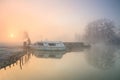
(76, 46)
(9, 59)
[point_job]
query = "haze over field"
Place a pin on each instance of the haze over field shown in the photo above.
(52, 19)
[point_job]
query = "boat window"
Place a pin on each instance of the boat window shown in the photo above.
(52, 56)
(41, 55)
(40, 44)
(51, 44)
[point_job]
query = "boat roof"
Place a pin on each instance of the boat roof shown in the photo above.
(50, 42)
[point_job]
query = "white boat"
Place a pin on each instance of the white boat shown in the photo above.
(48, 46)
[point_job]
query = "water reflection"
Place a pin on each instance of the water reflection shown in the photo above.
(101, 56)
(78, 63)
(50, 54)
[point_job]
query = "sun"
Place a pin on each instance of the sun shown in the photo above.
(12, 35)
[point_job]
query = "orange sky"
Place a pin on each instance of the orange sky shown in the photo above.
(48, 19)
(43, 24)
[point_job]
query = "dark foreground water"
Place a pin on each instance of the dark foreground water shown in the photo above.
(100, 62)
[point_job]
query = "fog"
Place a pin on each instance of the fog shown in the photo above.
(50, 20)
(93, 22)
(42, 23)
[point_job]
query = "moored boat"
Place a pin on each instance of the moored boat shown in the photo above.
(48, 46)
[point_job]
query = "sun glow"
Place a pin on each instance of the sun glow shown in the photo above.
(12, 35)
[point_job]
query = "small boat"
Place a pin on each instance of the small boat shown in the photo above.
(48, 46)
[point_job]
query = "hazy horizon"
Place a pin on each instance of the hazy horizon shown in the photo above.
(52, 19)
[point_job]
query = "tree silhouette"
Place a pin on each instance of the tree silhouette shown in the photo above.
(101, 30)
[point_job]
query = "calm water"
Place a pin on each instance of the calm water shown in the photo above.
(100, 62)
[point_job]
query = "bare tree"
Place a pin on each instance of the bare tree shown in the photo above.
(101, 30)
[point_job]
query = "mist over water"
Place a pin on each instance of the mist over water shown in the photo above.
(92, 25)
(98, 62)
(102, 56)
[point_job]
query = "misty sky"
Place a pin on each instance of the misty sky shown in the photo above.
(53, 19)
